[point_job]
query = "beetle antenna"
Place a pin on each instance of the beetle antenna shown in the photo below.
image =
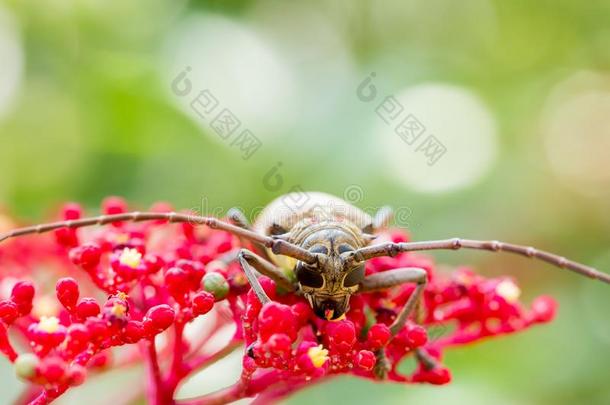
(278, 246)
(392, 249)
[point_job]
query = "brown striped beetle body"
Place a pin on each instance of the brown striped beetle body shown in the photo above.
(329, 227)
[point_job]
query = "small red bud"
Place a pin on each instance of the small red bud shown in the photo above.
(158, 318)
(77, 338)
(378, 336)
(67, 292)
(76, 375)
(8, 311)
(87, 307)
(87, 255)
(276, 318)
(365, 359)
(22, 295)
(101, 360)
(52, 369)
(153, 263)
(341, 335)
(195, 271)
(544, 308)
(114, 205)
(66, 237)
(71, 211)
(98, 329)
(177, 282)
(303, 312)
(134, 331)
(203, 302)
(416, 336)
(279, 343)
(437, 376)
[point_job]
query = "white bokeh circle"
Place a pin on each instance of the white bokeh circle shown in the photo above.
(576, 132)
(239, 68)
(457, 119)
(11, 57)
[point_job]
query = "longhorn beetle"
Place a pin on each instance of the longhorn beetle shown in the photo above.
(325, 242)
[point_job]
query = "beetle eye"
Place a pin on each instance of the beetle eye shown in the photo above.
(309, 277)
(355, 276)
(344, 248)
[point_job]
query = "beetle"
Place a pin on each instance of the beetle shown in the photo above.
(325, 242)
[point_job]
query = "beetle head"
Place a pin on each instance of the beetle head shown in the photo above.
(329, 284)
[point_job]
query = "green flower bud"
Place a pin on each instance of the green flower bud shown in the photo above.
(25, 365)
(216, 284)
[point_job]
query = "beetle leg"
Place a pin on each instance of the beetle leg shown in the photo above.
(254, 283)
(392, 278)
(383, 218)
(382, 365)
(429, 362)
(389, 279)
(249, 259)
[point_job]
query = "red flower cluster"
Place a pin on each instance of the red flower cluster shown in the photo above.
(123, 284)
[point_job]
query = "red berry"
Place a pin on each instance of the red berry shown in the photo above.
(544, 308)
(276, 318)
(365, 359)
(378, 336)
(52, 369)
(302, 312)
(158, 318)
(71, 211)
(8, 311)
(76, 375)
(279, 343)
(114, 205)
(436, 376)
(101, 360)
(153, 263)
(87, 307)
(134, 331)
(177, 282)
(195, 271)
(87, 255)
(22, 295)
(203, 302)
(416, 336)
(66, 237)
(341, 335)
(77, 338)
(98, 329)
(67, 292)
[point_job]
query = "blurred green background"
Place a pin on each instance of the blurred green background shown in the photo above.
(517, 92)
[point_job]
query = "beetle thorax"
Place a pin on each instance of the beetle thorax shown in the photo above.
(330, 234)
